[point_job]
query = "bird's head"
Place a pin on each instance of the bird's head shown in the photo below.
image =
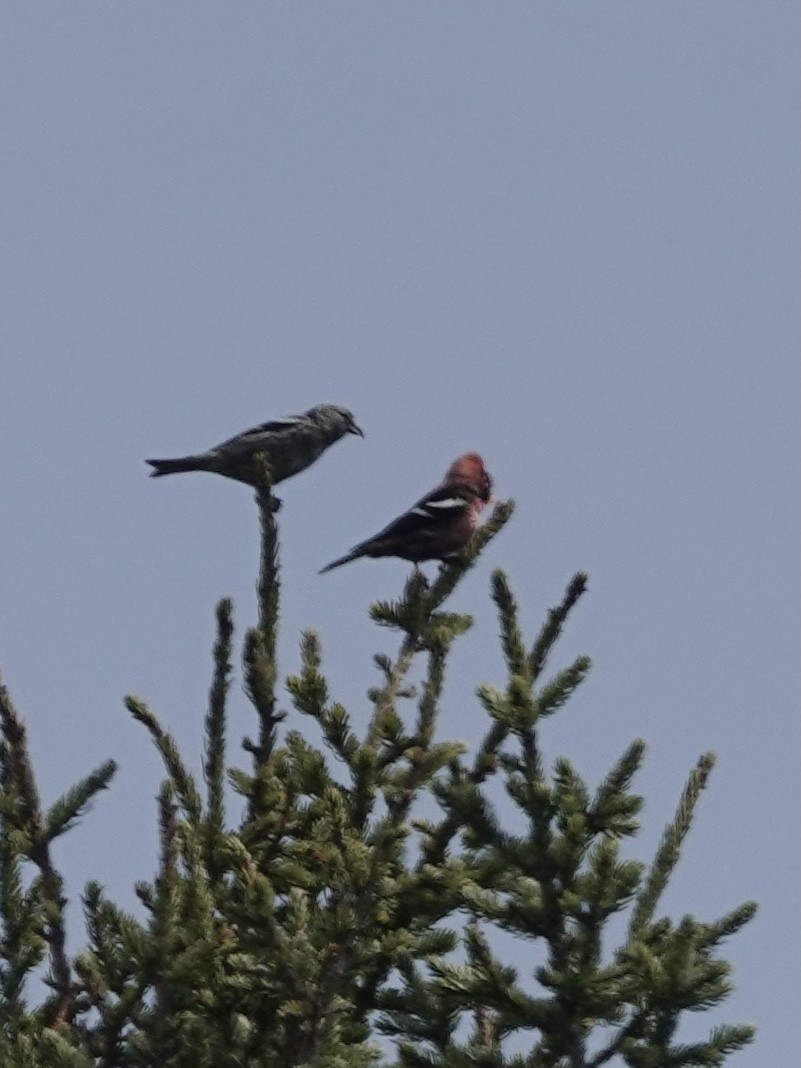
(334, 419)
(469, 470)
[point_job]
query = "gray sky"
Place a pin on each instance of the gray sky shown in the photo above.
(562, 234)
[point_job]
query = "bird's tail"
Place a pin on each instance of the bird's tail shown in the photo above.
(346, 559)
(171, 467)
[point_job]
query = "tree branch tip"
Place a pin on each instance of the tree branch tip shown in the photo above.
(578, 584)
(504, 509)
(706, 762)
(225, 609)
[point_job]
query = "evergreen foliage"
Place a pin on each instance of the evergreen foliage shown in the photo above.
(332, 925)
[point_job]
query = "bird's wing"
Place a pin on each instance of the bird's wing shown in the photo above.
(274, 427)
(430, 515)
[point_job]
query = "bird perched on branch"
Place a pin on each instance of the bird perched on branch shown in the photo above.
(439, 526)
(288, 445)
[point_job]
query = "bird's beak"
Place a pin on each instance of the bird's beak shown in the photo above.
(353, 429)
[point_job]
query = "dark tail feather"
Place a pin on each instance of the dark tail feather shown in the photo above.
(346, 559)
(171, 467)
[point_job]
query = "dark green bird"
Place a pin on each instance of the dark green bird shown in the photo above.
(289, 446)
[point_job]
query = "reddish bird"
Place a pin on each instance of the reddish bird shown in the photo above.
(440, 525)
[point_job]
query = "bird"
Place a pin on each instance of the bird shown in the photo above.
(288, 445)
(439, 525)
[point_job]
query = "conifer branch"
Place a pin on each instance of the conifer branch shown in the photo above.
(667, 855)
(425, 628)
(70, 806)
(727, 925)
(20, 772)
(556, 692)
(429, 700)
(214, 766)
(424, 759)
(58, 1009)
(613, 809)
(109, 984)
(384, 699)
(23, 947)
(554, 624)
(309, 692)
(514, 649)
(261, 669)
(56, 1049)
(485, 764)
(451, 574)
(183, 782)
(165, 918)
